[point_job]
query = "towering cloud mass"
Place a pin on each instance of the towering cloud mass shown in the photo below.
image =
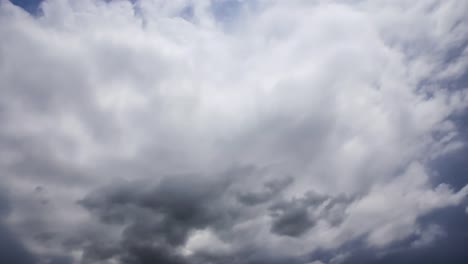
(234, 132)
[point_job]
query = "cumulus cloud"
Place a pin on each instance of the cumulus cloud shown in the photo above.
(224, 131)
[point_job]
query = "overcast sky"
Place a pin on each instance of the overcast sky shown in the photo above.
(233, 131)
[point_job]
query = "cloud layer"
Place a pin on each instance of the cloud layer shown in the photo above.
(231, 131)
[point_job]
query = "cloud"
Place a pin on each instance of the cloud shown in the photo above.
(231, 131)
(270, 190)
(295, 217)
(11, 249)
(160, 219)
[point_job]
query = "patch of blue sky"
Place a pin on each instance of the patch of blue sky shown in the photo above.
(228, 11)
(30, 6)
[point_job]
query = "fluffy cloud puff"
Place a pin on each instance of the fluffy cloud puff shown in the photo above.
(228, 131)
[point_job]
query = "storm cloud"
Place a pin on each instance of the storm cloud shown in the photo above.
(230, 131)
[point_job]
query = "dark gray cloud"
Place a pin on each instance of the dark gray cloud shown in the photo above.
(145, 254)
(294, 217)
(157, 218)
(270, 190)
(11, 248)
(293, 222)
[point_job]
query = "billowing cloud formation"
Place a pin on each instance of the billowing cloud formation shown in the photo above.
(230, 131)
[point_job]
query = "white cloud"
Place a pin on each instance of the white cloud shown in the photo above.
(330, 92)
(389, 211)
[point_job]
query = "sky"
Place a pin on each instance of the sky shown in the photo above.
(233, 131)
